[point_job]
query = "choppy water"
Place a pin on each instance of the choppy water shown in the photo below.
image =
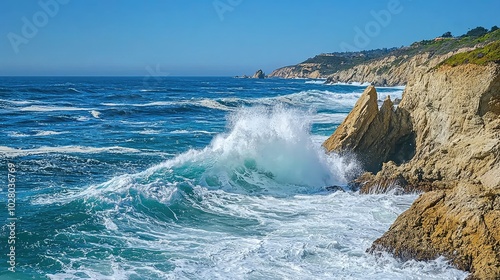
(188, 178)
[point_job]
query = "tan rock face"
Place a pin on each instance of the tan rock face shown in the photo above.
(387, 71)
(355, 125)
(457, 124)
(302, 70)
(360, 133)
(462, 223)
(453, 113)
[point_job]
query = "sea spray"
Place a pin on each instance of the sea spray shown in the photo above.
(275, 142)
(109, 199)
(266, 150)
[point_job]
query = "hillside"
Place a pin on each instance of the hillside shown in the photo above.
(387, 67)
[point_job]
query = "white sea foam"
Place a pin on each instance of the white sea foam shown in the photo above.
(264, 179)
(82, 119)
(95, 114)
(318, 139)
(37, 133)
(183, 131)
(13, 152)
(75, 90)
(212, 104)
(332, 118)
(302, 237)
(18, 134)
(48, 132)
(325, 99)
(109, 224)
(18, 102)
(358, 84)
(149, 132)
(39, 108)
(393, 94)
(272, 147)
(317, 82)
(149, 104)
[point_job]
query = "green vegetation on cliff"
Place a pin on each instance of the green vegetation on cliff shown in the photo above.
(480, 56)
(331, 63)
(443, 45)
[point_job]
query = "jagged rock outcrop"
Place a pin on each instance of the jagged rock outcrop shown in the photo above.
(259, 75)
(301, 70)
(360, 133)
(454, 116)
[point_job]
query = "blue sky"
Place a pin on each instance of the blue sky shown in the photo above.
(213, 37)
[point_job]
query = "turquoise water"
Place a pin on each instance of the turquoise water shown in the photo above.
(188, 178)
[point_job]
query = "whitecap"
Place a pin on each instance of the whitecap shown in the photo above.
(18, 134)
(37, 108)
(37, 133)
(13, 152)
(18, 102)
(183, 131)
(213, 104)
(357, 84)
(48, 132)
(95, 114)
(316, 82)
(82, 119)
(75, 90)
(149, 132)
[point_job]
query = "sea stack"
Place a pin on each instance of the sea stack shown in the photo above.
(443, 140)
(259, 75)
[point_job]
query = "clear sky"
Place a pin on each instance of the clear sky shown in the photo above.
(213, 37)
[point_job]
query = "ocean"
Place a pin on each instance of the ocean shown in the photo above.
(187, 178)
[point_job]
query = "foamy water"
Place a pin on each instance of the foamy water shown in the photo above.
(189, 180)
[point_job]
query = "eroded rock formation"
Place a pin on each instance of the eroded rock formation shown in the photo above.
(259, 75)
(360, 133)
(452, 117)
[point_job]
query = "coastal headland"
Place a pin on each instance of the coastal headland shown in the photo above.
(442, 140)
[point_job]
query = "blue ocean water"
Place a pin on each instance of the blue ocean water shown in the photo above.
(188, 178)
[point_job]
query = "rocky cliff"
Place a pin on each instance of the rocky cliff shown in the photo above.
(386, 71)
(391, 70)
(451, 116)
(384, 67)
(302, 70)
